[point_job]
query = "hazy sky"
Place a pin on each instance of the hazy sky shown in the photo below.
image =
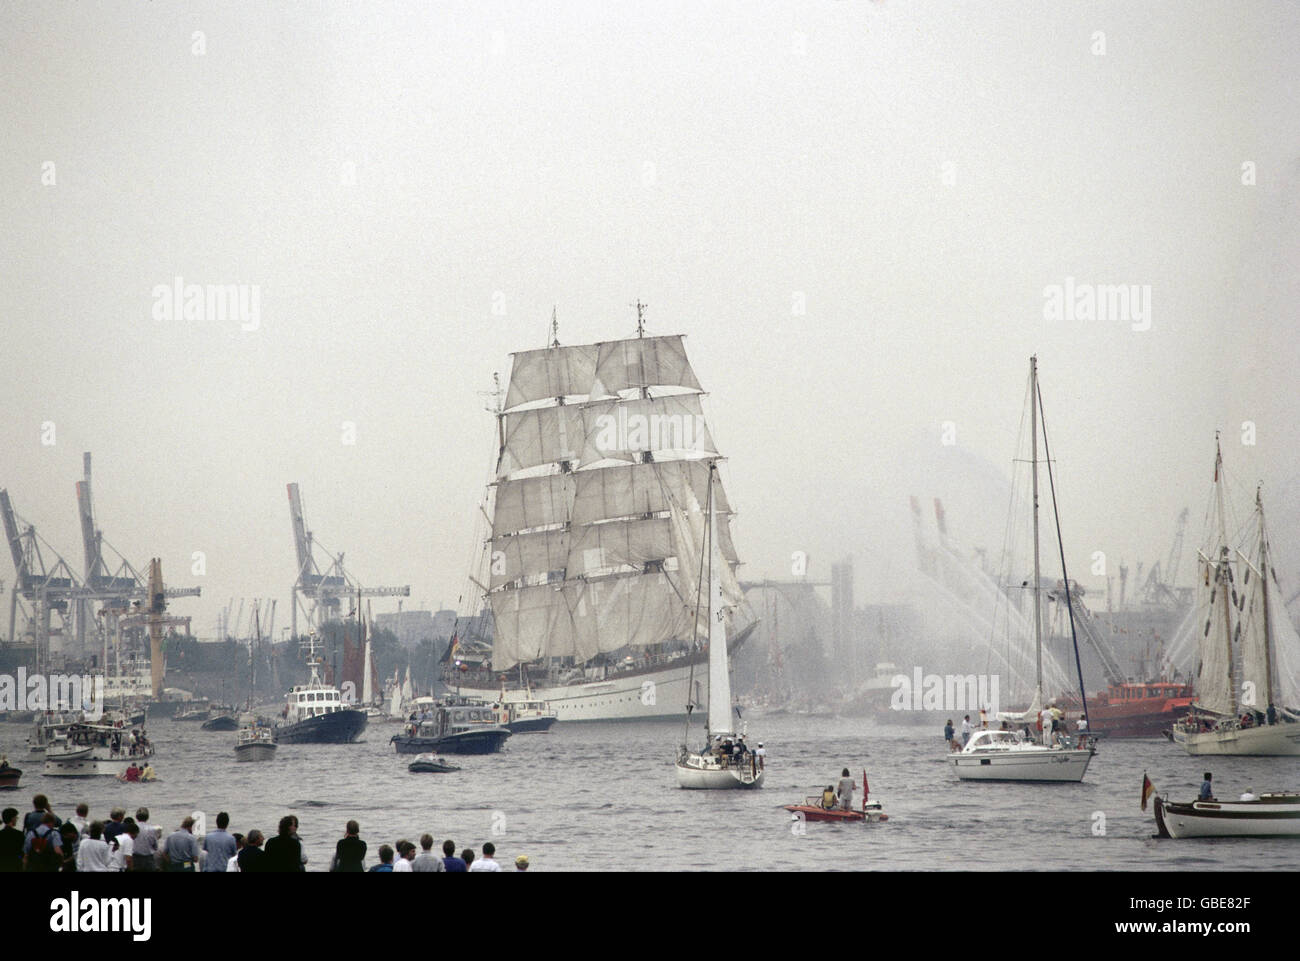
(413, 186)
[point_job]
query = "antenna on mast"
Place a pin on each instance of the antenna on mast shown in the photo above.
(640, 317)
(555, 329)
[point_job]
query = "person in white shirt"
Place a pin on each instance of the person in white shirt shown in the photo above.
(405, 855)
(93, 854)
(1045, 715)
(761, 753)
(965, 730)
(123, 845)
(232, 866)
(487, 862)
(82, 820)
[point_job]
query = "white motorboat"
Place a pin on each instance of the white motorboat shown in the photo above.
(1005, 756)
(718, 765)
(1252, 816)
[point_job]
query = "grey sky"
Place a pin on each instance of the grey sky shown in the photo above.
(718, 161)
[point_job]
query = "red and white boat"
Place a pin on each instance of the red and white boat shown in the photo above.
(812, 810)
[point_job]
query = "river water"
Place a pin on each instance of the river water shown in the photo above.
(603, 796)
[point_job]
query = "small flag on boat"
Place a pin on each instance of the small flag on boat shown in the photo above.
(866, 788)
(1148, 789)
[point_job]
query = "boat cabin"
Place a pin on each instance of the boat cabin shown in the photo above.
(307, 700)
(993, 741)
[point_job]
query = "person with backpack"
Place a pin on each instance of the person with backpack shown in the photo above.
(43, 850)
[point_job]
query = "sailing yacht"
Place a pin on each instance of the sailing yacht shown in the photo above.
(1004, 755)
(589, 574)
(1247, 699)
(716, 766)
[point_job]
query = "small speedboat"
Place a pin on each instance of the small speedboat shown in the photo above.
(812, 810)
(430, 764)
(222, 722)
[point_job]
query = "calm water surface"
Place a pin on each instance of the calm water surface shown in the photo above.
(599, 797)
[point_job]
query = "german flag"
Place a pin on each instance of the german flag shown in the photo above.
(1148, 789)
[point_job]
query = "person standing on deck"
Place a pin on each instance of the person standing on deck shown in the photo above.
(965, 730)
(1207, 790)
(844, 792)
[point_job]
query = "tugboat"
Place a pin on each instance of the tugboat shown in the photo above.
(458, 726)
(314, 713)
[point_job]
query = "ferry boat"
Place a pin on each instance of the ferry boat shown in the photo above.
(460, 726)
(314, 713)
(96, 749)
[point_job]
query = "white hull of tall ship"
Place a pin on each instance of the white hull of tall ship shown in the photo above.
(654, 694)
(706, 772)
(1272, 740)
(1269, 815)
(997, 756)
(87, 762)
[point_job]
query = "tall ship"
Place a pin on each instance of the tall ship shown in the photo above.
(1248, 679)
(596, 522)
(315, 712)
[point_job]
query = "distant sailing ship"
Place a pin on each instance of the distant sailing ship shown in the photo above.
(1247, 697)
(597, 523)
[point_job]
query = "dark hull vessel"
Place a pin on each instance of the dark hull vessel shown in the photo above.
(531, 725)
(337, 727)
(9, 778)
(482, 741)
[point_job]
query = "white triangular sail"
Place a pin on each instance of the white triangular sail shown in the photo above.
(367, 689)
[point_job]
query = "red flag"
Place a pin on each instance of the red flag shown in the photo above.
(866, 788)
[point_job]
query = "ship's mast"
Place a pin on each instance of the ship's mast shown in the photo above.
(1223, 574)
(1268, 627)
(1033, 433)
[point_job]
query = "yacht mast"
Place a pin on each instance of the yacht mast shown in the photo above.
(1224, 573)
(1033, 433)
(1268, 627)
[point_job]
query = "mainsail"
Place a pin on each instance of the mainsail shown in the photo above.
(596, 516)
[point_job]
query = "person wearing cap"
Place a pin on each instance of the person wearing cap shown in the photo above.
(761, 753)
(521, 863)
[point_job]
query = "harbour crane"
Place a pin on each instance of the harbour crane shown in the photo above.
(319, 588)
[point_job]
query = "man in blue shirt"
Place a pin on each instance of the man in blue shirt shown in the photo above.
(220, 845)
(451, 862)
(1207, 792)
